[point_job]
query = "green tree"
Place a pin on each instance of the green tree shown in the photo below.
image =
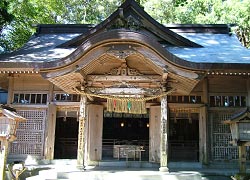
(5, 16)
(28, 13)
(218, 12)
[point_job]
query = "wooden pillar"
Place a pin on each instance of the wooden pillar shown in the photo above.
(203, 119)
(242, 159)
(50, 132)
(94, 128)
(81, 132)
(3, 157)
(50, 126)
(10, 89)
(164, 135)
(248, 92)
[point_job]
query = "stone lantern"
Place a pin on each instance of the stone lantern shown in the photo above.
(9, 120)
(240, 130)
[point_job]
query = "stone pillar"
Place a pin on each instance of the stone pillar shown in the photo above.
(81, 132)
(164, 135)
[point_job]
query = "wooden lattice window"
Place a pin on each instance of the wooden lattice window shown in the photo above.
(184, 99)
(29, 98)
(221, 148)
(66, 97)
(30, 134)
(227, 101)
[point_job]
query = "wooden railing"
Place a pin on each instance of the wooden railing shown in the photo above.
(109, 148)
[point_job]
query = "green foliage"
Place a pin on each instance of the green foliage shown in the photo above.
(5, 16)
(218, 12)
(241, 176)
(19, 16)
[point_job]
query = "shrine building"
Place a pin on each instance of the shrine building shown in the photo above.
(128, 88)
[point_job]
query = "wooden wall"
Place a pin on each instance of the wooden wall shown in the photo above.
(30, 82)
(154, 134)
(227, 84)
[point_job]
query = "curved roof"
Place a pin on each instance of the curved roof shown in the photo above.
(195, 47)
(152, 56)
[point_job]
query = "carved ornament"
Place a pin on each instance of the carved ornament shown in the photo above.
(129, 22)
(124, 70)
(121, 54)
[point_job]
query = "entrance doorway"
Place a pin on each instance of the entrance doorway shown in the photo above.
(66, 136)
(125, 131)
(184, 138)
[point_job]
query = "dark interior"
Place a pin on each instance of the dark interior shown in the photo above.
(125, 131)
(184, 139)
(66, 136)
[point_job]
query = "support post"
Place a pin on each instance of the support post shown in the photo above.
(81, 132)
(248, 92)
(242, 158)
(10, 89)
(50, 132)
(50, 126)
(203, 120)
(164, 135)
(3, 157)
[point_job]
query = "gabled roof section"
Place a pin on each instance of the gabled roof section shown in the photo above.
(131, 16)
(10, 113)
(241, 116)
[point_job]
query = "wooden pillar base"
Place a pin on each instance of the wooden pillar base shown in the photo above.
(163, 169)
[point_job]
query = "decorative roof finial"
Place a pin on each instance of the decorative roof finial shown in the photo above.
(121, 15)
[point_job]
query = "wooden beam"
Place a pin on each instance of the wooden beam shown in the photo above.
(125, 91)
(113, 78)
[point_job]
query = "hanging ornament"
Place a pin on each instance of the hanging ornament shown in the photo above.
(129, 105)
(114, 104)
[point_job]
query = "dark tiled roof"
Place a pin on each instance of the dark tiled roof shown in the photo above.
(206, 46)
(41, 48)
(217, 48)
(63, 28)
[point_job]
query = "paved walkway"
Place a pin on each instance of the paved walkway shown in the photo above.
(122, 173)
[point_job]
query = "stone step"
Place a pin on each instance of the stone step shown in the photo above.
(185, 165)
(128, 164)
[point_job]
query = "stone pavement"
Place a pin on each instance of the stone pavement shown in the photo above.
(123, 173)
(122, 170)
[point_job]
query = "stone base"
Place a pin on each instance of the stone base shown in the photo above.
(164, 169)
